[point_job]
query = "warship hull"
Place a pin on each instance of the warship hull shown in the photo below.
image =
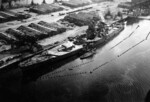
(47, 60)
(113, 33)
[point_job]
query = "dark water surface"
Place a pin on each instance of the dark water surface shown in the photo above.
(119, 72)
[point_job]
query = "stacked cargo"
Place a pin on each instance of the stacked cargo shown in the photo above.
(99, 1)
(19, 15)
(12, 13)
(2, 19)
(31, 33)
(81, 18)
(8, 38)
(28, 32)
(56, 25)
(76, 3)
(15, 33)
(22, 38)
(44, 30)
(45, 8)
(58, 29)
(6, 16)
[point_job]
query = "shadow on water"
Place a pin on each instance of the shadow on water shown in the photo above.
(10, 86)
(33, 74)
(60, 93)
(16, 85)
(95, 93)
(147, 98)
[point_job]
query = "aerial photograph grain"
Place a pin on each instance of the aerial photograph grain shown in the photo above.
(74, 50)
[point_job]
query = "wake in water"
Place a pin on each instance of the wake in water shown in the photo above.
(62, 76)
(53, 75)
(135, 45)
(124, 38)
(63, 70)
(96, 68)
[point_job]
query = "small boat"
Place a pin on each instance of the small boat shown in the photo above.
(88, 54)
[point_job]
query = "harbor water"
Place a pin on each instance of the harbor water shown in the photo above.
(118, 72)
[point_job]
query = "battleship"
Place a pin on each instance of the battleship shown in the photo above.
(112, 32)
(62, 51)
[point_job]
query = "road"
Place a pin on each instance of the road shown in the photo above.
(36, 18)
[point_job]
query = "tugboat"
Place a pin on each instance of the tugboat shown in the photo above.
(88, 54)
(62, 51)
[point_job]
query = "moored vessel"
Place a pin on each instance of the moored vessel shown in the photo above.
(62, 51)
(88, 54)
(113, 30)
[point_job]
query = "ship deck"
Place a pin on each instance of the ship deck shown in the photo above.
(55, 51)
